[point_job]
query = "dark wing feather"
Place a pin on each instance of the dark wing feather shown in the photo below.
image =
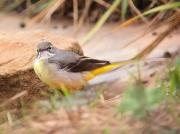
(85, 64)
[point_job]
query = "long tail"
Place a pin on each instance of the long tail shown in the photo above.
(107, 68)
(115, 65)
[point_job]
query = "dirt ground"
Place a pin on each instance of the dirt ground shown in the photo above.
(17, 52)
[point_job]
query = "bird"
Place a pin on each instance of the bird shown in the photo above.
(58, 68)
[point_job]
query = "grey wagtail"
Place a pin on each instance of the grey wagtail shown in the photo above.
(59, 68)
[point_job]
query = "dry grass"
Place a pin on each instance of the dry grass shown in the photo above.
(80, 10)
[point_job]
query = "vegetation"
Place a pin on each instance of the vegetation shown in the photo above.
(99, 10)
(138, 103)
(139, 107)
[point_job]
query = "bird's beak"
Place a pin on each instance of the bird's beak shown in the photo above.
(38, 55)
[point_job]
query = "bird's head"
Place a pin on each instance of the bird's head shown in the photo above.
(45, 50)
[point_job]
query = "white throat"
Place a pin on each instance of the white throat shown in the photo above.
(45, 55)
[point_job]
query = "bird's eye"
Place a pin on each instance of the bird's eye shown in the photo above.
(49, 48)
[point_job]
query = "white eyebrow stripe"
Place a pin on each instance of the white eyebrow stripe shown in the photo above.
(51, 54)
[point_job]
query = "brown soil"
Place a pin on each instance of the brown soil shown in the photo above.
(12, 84)
(17, 55)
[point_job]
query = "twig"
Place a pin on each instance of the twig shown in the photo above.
(174, 21)
(46, 13)
(105, 4)
(6, 62)
(148, 29)
(13, 98)
(136, 10)
(28, 4)
(85, 12)
(31, 7)
(52, 9)
(75, 12)
(40, 15)
(152, 4)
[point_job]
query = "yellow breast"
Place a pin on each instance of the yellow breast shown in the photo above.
(54, 78)
(42, 71)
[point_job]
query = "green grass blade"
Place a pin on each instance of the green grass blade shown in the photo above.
(100, 22)
(164, 7)
(124, 7)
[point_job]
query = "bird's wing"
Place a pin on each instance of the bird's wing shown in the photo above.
(85, 64)
(74, 63)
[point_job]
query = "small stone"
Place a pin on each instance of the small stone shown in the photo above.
(22, 25)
